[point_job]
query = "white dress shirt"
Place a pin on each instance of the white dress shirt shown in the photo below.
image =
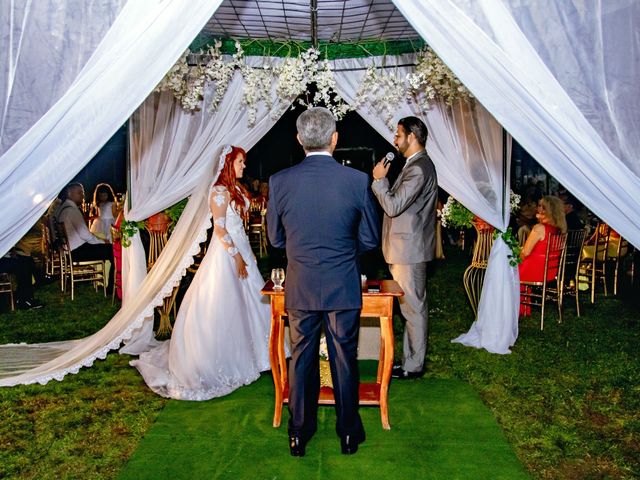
(77, 230)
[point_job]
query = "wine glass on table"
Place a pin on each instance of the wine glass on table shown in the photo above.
(277, 277)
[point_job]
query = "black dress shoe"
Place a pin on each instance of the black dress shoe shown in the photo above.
(349, 443)
(296, 445)
(401, 374)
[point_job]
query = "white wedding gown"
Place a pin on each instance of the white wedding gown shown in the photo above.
(220, 339)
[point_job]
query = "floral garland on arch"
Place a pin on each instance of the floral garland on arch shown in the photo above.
(456, 215)
(380, 91)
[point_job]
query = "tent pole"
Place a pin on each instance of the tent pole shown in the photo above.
(314, 23)
(504, 169)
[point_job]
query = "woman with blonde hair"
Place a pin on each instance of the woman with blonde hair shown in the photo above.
(551, 220)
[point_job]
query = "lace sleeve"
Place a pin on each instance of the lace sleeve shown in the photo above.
(218, 203)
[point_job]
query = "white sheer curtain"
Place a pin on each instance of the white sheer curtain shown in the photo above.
(171, 149)
(115, 80)
(562, 78)
(39, 63)
(181, 145)
(466, 145)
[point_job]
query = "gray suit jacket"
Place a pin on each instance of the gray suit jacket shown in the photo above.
(408, 228)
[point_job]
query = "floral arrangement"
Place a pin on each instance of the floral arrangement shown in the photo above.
(128, 230)
(325, 370)
(381, 92)
(323, 351)
(455, 215)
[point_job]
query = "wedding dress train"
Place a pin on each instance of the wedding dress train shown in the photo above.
(220, 338)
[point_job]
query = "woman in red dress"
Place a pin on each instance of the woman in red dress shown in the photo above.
(550, 215)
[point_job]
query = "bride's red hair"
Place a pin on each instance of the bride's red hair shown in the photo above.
(227, 178)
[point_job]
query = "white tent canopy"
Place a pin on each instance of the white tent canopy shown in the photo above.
(556, 75)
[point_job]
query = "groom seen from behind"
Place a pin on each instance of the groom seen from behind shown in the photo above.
(325, 215)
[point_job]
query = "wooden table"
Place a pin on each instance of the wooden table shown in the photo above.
(374, 304)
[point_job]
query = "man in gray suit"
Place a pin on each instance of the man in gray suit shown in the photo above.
(408, 236)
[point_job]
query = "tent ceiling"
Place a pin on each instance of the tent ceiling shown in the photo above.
(337, 21)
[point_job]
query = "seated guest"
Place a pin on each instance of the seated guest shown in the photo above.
(84, 244)
(574, 222)
(551, 221)
(22, 268)
(526, 219)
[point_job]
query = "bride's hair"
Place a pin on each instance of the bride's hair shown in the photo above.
(227, 178)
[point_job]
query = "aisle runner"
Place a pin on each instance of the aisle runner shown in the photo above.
(440, 430)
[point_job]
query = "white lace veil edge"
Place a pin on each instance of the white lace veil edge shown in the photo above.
(14, 357)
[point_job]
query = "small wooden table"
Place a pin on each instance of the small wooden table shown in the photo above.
(374, 304)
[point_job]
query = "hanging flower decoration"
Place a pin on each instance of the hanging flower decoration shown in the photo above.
(434, 80)
(381, 92)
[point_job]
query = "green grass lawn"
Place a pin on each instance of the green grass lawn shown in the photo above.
(567, 398)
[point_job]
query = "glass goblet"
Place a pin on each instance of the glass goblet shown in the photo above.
(277, 277)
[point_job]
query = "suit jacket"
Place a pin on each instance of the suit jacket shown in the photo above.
(409, 224)
(325, 215)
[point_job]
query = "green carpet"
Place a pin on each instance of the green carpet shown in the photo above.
(439, 430)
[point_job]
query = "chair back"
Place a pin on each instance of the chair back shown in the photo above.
(7, 287)
(573, 251)
(555, 256)
(601, 243)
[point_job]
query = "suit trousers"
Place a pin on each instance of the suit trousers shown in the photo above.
(412, 278)
(341, 330)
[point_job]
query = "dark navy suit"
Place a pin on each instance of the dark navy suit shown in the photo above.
(325, 215)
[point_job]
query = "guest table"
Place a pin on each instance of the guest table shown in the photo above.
(377, 301)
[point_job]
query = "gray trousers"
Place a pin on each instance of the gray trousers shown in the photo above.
(412, 279)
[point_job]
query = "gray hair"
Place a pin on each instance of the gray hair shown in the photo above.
(315, 127)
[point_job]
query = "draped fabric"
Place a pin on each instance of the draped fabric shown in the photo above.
(39, 63)
(114, 81)
(171, 150)
(562, 78)
(465, 143)
(187, 153)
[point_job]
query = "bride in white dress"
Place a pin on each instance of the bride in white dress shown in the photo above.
(220, 339)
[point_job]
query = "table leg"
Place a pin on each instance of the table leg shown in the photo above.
(274, 343)
(386, 334)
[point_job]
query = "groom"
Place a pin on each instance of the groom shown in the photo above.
(324, 214)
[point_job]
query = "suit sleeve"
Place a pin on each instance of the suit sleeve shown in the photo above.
(394, 203)
(275, 229)
(369, 228)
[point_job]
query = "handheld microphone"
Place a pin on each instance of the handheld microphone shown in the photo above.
(388, 158)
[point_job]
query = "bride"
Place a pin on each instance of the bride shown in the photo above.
(221, 334)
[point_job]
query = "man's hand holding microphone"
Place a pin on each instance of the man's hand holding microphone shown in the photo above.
(382, 167)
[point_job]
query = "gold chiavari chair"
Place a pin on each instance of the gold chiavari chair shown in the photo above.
(572, 254)
(51, 254)
(593, 262)
(549, 287)
(73, 272)
(6, 286)
(616, 251)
